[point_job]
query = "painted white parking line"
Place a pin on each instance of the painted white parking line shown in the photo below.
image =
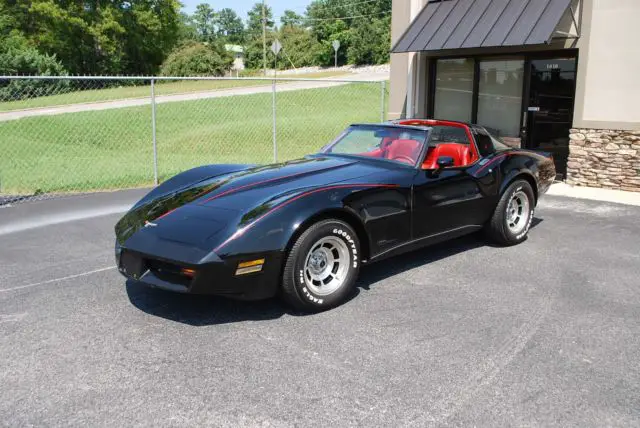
(61, 218)
(36, 284)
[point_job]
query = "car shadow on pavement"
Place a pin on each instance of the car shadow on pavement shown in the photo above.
(198, 310)
(377, 272)
(201, 310)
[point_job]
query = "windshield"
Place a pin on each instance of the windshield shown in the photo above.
(390, 143)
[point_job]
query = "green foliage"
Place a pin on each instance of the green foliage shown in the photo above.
(253, 51)
(102, 37)
(254, 21)
(335, 30)
(299, 46)
(291, 19)
(370, 42)
(17, 57)
(359, 26)
(204, 22)
(230, 27)
(186, 29)
(99, 37)
(198, 59)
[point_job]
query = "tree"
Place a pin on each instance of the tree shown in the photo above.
(291, 19)
(187, 28)
(204, 20)
(18, 57)
(335, 30)
(254, 21)
(253, 51)
(230, 26)
(299, 45)
(198, 59)
(151, 33)
(100, 36)
(370, 42)
(349, 22)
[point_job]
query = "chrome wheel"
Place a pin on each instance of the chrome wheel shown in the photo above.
(326, 265)
(518, 212)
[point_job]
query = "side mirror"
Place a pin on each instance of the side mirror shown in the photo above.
(445, 162)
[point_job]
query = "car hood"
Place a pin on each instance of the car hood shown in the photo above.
(209, 205)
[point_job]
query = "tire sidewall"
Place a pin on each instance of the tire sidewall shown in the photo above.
(341, 231)
(518, 186)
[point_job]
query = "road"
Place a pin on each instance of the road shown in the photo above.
(462, 334)
(192, 96)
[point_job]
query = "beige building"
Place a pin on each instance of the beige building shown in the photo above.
(556, 75)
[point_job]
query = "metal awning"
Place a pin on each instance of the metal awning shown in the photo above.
(462, 24)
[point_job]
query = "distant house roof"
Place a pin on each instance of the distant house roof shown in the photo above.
(461, 24)
(234, 48)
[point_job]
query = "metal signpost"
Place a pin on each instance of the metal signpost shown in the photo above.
(336, 46)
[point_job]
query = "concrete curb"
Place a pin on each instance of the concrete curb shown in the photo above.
(595, 194)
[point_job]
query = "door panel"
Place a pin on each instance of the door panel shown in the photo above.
(550, 110)
(446, 202)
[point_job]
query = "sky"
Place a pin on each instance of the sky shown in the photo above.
(242, 6)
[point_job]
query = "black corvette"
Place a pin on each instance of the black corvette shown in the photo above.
(303, 228)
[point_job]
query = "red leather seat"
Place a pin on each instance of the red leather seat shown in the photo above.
(406, 151)
(385, 142)
(459, 152)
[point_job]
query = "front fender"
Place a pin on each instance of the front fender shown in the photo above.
(275, 225)
(270, 227)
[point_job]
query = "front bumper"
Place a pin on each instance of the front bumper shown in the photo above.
(214, 277)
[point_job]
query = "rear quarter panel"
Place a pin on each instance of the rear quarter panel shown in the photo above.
(531, 165)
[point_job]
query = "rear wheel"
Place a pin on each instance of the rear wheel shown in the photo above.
(321, 268)
(512, 217)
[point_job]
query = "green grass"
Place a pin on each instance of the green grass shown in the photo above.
(111, 149)
(144, 91)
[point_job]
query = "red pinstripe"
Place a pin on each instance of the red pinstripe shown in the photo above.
(257, 183)
(491, 162)
(240, 232)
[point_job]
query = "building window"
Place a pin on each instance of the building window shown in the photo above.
(500, 96)
(454, 89)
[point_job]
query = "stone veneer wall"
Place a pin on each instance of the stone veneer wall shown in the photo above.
(604, 158)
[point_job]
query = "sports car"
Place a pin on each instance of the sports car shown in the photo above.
(302, 229)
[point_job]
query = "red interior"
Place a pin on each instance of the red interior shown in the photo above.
(377, 153)
(459, 152)
(406, 151)
(473, 153)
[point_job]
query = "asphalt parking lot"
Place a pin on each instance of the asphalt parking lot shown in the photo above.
(543, 334)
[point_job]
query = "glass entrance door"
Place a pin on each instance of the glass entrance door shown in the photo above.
(549, 115)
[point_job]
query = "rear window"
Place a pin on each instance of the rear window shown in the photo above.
(487, 143)
(484, 142)
(449, 134)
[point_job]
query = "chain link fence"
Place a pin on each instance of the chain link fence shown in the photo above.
(86, 134)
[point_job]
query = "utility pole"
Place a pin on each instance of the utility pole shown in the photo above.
(264, 38)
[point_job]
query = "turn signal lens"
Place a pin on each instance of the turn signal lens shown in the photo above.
(250, 267)
(251, 263)
(188, 272)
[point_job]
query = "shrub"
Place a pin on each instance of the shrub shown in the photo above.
(18, 58)
(197, 59)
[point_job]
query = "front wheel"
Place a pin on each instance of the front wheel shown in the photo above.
(512, 218)
(322, 266)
